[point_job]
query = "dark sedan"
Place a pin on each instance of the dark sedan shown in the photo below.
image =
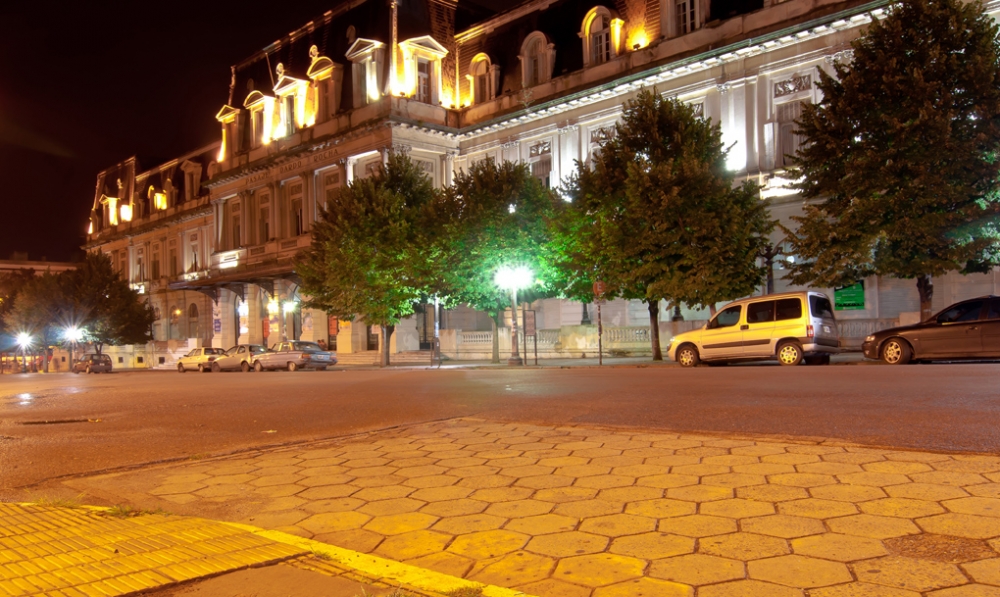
(966, 330)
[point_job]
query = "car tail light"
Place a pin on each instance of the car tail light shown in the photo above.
(306, 357)
(210, 359)
(810, 332)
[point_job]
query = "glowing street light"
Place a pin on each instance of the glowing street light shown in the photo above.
(73, 335)
(24, 341)
(512, 278)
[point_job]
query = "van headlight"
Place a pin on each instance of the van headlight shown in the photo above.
(869, 338)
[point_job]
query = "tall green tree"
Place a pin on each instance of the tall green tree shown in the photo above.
(494, 214)
(369, 256)
(658, 216)
(902, 152)
(11, 285)
(101, 303)
(39, 312)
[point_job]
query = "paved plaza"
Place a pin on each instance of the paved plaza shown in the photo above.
(584, 511)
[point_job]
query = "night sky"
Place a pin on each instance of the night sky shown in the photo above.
(84, 85)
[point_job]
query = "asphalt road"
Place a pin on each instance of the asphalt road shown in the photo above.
(63, 424)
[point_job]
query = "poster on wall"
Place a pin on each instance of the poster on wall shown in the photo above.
(334, 325)
(849, 298)
(216, 317)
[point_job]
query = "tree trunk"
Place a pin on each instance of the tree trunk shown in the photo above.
(387, 331)
(45, 355)
(712, 310)
(98, 346)
(654, 328)
(495, 358)
(925, 286)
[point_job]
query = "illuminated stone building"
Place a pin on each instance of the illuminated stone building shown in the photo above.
(541, 82)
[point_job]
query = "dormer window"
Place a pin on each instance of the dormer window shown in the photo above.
(483, 78)
(421, 76)
(290, 94)
(324, 93)
(366, 56)
(229, 118)
(537, 59)
(261, 109)
(601, 34)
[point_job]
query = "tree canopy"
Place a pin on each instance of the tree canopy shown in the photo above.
(369, 256)
(902, 156)
(656, 216)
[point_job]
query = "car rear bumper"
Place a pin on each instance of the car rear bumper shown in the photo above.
(818, 348)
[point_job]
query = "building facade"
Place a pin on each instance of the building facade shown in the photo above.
(210, 237)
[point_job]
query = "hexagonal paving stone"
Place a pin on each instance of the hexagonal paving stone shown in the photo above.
(554, 588)
(909, 573)
(372, 494)
(984, 571)
(799, 571)
(604, 481)
(861, 589)
(513, 569)
(968, 591)
(829, 468)
(764, 468)
(617, 525)
(697, 569)
(560, 495)
(901, 507)
(817, 508)
(645, 587)
(172, 488)
(744, 546)
(667, 481)
(652, 546)
(583, 470)
(698, 525)
(334, 521)
(841, 548)
(394, 506)
(847, 493)
(734, 480)
(639, 470)
(926, 491)
(326, 493)
(793, 459)
(588, 508)
(737, 508)
(700, 493)
(449, 508)
(962, 525)
(542, 525)
(358, 540)
(436, 481)
(780, 525)
(731, 460)
(546, 481)
(598, 570)
(661, 508)
(564, 545)
(441, 494)
(772, 493)
(444, 562)
(876, 527)
(980, 506)
(894, 466)
(519, 508)
(873, 479)
(748, 588)
(991, 490)
(397, 524)
(955, 479)
(630, 494)
(460, 525)
(345, 504)
(488, 544)
(414, 544)
(802, 479)
(501, 494)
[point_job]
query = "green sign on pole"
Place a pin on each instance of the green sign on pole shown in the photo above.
(849, 298)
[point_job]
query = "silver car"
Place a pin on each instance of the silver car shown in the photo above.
(200, 359)
(791, 327)
(294, 356)
(238, 358)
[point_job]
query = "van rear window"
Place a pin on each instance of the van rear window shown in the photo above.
(820, 307)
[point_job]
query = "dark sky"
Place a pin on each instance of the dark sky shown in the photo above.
(84, 85)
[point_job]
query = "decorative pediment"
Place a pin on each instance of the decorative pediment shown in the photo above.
(362, 47)
(286, 83)
(425, 43)
(253, 98)
(320, 66)
(227, 114)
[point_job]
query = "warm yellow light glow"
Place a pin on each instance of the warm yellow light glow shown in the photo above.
(272, 306)
(638, 40)
(127, 212)
(222, 148)
(90, 227)
(268, 119)
(289, 306)
(616, 34)
(112, 203)
(160, 201)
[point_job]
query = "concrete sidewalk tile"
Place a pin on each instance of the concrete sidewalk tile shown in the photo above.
(839, 548)
(909, 573)
(697, 569)
(744, 546)
(984, 571)
(799, 571)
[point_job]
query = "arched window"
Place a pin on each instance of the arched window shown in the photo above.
(537, 59)
(481, 79)
(600, 33)
(194, 330)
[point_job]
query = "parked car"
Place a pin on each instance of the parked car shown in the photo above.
(294, 356)
(791, 327)
(200, 359)
(239, 357)
(92, 363)
(966, 330)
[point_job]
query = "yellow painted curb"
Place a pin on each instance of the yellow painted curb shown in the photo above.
(381, 568)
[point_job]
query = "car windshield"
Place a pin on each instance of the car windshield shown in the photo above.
(232, 351)
(255, 348)
(217, 351)
(306, 346)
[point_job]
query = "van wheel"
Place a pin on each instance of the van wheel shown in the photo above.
(687, 356)
(823, 359)
(180, 368)
(790, 354)
(258, 367)
(896, 351)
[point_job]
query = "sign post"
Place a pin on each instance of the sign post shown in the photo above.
(599, 289)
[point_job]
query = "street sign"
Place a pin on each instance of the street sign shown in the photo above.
(599, 289)
(217, 325)
(849, 298)
(529, 323)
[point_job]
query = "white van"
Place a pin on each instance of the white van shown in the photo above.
(790, 327)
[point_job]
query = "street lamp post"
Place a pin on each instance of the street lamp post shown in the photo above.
(73, 335)
(24, 340)
(512, 278)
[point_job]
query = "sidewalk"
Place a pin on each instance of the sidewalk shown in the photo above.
(587, 512)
